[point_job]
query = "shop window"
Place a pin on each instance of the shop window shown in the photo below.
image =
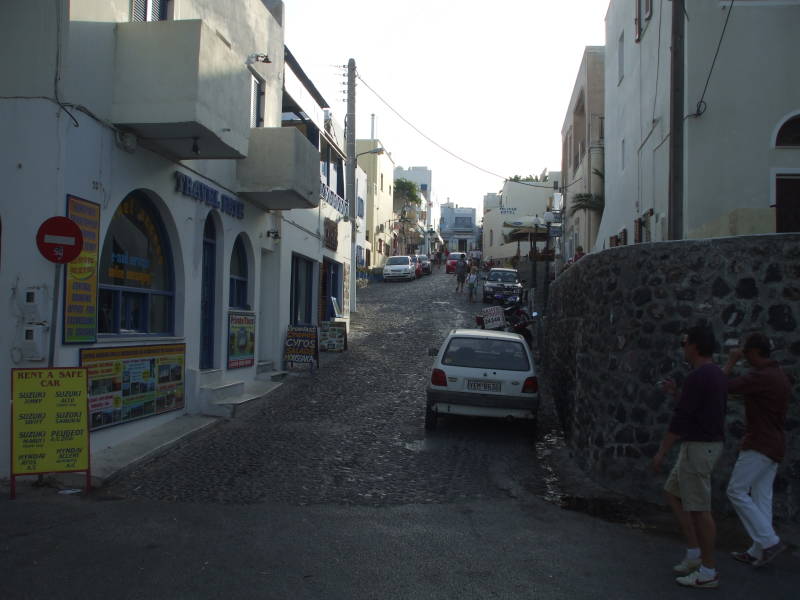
(136, 277)
(238, 288)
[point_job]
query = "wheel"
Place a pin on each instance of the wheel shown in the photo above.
(430, 418)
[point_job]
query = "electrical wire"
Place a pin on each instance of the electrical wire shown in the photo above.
(701, 105)
(438, 145)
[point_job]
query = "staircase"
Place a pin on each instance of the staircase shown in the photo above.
(222, 399)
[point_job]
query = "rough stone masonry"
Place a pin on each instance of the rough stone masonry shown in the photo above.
(611, 333)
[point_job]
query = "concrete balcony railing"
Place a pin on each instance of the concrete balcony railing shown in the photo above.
(181, 90)
(281, 170)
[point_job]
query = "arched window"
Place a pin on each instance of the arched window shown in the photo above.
(238, 292)
(136, 275)
(789, 133)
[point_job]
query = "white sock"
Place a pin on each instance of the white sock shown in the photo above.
(693, 553)
(706, 573)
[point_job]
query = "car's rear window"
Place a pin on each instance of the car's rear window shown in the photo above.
(506, 355)
(455, 256)
(397, 260)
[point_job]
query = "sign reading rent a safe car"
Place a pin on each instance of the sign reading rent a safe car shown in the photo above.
(49, 421)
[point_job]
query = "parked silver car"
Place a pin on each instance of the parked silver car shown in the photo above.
(399, 267)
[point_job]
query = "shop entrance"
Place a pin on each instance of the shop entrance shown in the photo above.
(330, 287)
(207, 288)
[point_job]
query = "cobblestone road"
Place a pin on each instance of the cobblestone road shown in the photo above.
(352, 432)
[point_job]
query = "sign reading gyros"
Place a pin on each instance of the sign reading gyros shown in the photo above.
(59, 239)
(301, 352)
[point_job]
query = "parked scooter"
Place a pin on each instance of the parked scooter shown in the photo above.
(517, 319)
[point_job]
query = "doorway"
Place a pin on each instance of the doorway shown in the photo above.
(787, 204)
(207, 288)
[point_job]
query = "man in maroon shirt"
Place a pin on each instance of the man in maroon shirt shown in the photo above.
(699, 423)
(766, 390)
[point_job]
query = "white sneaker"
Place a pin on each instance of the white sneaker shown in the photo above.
(687, 566)
(693, 580)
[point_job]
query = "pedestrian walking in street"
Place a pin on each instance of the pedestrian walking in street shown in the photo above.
(766, 390)
(461, 273)
(472, 282)
(699, 423)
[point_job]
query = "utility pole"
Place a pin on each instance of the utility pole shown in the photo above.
(350, 191)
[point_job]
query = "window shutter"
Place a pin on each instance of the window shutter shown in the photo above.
(253, 102)
(159, 10)
(139, 10)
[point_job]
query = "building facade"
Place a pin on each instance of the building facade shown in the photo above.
(381, 221)
(691, 152)
(582, 155)
(423, 177)
(161, 138)
(458, 228)
(519, 202)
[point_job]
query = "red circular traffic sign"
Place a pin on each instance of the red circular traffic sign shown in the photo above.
(59, 239)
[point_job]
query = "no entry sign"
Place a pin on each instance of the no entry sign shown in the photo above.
(59, 239)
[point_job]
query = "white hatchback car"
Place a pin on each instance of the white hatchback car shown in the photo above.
(482, 373)
(399, 267)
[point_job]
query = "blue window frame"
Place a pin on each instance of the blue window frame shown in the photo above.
(136, 275)
(237, 296)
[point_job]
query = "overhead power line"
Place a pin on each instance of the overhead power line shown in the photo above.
(438, 145)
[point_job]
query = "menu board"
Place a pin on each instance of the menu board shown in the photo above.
(49, 418)
(80, 293)
(241, 340)
(333, 336)
(131, 382)
(301, 352)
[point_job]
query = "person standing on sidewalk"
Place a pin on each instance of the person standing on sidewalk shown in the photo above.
(472, 282)
(699, 423)
(766, 390)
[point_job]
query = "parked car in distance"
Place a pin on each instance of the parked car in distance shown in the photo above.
(504, 282)
(426, 264)
(417, 265)
(482, 373)
(399, 267)
(452, 259)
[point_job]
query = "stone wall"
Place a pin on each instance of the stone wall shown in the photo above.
(612, 331)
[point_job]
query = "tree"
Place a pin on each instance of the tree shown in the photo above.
(592, 202)
(406, 192)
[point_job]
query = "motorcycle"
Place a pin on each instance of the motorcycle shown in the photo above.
(516, 318)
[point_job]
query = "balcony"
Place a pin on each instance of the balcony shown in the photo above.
(181, 90)
(281, 171)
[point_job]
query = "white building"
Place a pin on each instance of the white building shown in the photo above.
(518, 201)
(380, 218)
(458, 228)
(703, 153)
(159, 133)
(423, 177)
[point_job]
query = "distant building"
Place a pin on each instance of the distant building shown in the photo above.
(458, 228)
(423, 177)
(380, 218)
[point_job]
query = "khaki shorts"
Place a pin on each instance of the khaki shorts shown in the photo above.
(690, 478)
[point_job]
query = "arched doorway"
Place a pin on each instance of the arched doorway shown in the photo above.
(207, 291)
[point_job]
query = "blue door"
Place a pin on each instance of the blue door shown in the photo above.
(207, 296)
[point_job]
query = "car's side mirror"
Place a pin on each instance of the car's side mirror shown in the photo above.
(433, 351)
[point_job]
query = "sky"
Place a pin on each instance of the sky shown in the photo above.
(488, 81)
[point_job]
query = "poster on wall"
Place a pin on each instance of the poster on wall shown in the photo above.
(301, 351)
(333, 336)
(49, 421)
(132, 382)
(241, 339)
(80, 288)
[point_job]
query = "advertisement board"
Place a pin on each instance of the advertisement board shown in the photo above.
(132, 382)
(49, 421)
(241, 339)
(301, 352)
(80, 291)
(333, 336)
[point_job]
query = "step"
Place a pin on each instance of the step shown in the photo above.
(271, 375)
(227, 407)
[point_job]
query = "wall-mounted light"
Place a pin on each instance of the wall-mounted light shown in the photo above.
(258, 58)
(274, 234)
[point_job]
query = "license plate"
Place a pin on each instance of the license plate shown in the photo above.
(483, 386)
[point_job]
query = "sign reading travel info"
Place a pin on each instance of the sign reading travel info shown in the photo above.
(80, 293)
(49, 421)
(131, 382)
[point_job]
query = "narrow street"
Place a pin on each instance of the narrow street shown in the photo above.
(352, 432)
(330, 488)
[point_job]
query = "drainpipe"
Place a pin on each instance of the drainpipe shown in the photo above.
(677, 74)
